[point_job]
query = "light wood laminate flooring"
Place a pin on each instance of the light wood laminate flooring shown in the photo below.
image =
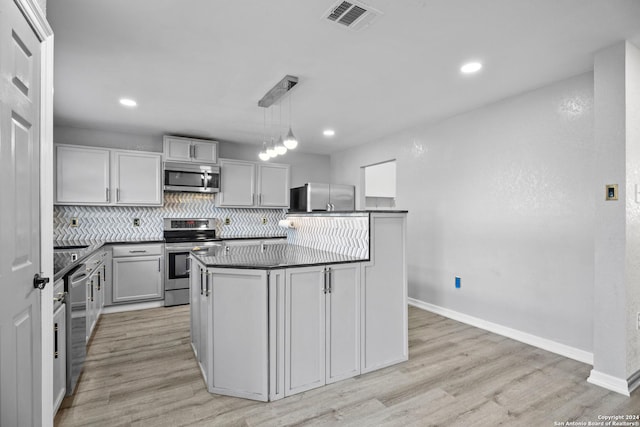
(140, 371)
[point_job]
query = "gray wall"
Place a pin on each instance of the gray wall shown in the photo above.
(502, 197)
(617, 228)
(304, 167)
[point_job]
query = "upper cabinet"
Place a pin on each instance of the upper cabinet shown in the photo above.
(99, 176)
(82, 175)
(180, 149)
(137, 178)
(246, 184)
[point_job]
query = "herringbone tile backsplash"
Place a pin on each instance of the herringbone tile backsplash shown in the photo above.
(344, 234)
(115, 223)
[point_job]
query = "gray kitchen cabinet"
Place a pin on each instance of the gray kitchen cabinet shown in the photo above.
(239, 359)
(248, 184)
(181, 149)
(59, 356)
(195, 291)
(384, 294)
(273, 185)
(82, 175)
(95, 291)
(321, 326)
(137, 273)
(237, 184)
(206, 339)
(106, 177)
(137, 178)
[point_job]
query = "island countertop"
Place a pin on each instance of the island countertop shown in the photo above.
(270, 256)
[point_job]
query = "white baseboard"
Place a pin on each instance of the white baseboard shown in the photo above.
(132, 307)
(609, 382)
(534, 340)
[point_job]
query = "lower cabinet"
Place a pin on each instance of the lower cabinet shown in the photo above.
(266, 335)
(59, 356)
(321, 326)
(137, 273)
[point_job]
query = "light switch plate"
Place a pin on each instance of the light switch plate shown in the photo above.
(611, 192)
(74, 222)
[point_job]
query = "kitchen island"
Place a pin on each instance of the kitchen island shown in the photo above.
(272, 320)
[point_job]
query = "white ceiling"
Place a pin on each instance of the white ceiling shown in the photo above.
(199, 67)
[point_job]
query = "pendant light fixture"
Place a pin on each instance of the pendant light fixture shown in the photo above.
(263, 155)
(273, 147)
(290, 141)
(280, 148)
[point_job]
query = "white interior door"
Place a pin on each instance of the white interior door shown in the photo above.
(20, 327)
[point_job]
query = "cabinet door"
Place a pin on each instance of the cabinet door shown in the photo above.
(138, 179)
(176, 149)
(205, 339)
(273, 185)
(82, 175)
(237, 183)
(195, 280)
(304, 329)
(91, 306)
(343, 322)
(106, 279)
(240, 337)
(137, 279)
(205, 152)
(384, 295)
(59, 356)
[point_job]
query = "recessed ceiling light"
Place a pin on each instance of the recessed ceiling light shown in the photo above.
(128, 102)
(471, 67)
(328, 132)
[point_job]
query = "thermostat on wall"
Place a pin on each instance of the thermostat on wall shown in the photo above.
(611, 192)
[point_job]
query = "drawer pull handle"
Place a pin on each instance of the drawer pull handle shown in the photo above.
(138, 252)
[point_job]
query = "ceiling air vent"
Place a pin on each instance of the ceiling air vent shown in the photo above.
(351, 14)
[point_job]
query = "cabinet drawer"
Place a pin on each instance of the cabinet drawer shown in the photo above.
(137, 250)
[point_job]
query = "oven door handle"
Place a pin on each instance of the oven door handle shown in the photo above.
(188, 265)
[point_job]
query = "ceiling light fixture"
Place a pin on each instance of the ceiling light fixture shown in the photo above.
(264, 155)
(471, 67)
(290, 142)
(127, 102)
(280, 148)
(329, 132)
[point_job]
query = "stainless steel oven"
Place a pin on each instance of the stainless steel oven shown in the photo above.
(183, 236)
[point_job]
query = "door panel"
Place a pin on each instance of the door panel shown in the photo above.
(20, 335)
(304, 329)
(343, 322)
(237, 180)
(274, 185)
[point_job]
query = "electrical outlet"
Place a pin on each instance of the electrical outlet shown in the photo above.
(264, 220)
(227, 221)
(458, 282)
(74, 222)
(136, 222)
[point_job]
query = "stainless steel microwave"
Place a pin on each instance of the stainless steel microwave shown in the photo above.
(191, 177)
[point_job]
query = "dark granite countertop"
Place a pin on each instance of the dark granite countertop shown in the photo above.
(270, 256)
(67, 255)
(369, 211)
